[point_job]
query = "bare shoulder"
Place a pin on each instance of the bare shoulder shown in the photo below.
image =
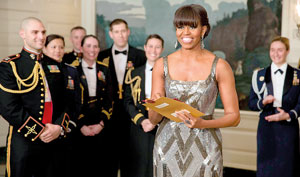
(224, 70)
(223, 65)
(159, 63)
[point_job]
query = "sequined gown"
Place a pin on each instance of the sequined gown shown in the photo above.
(183, 152)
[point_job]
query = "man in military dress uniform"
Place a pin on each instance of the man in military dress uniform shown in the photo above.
(74, 57)
(32, 101)
(119, 58)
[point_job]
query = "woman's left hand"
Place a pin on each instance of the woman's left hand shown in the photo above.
(189, 120)
(282, 115)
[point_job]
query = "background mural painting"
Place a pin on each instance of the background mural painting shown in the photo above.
(241, 30)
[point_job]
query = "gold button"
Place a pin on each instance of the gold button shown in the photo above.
(41, 78)
(41, 112)
(42, 83)
(42, 95)
(140, 110)
(103, 89)
(42, 89)
(42, 101)
(40, 118)
(42, 107)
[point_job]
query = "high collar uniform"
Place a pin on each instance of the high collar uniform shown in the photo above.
(22, 104)
(277, 142)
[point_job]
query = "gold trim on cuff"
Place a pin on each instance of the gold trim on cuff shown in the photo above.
(137, 117)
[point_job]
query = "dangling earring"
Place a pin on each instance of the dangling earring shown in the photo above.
(202, 43)
(176, 44)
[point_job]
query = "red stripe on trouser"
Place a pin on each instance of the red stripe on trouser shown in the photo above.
(47, 118)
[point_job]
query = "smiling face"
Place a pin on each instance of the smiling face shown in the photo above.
(90, 49)
(278, 52)
(33, 33)
(55, 49)
(153, 49)
(190, 36)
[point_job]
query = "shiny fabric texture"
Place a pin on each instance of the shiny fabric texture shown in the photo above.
(183, 152)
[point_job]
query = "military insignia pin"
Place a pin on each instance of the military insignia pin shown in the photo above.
(32, 56)
(261, 78)
(53, 69)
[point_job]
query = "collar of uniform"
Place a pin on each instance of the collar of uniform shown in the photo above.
(148, 66)
(274, 67)
(75, 52)
(33, 55)
(115, 48)
(85, 65)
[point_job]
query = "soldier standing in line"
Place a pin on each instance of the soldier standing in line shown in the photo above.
(32, 101)
(120, 58)
(142, 132)
(91, 146)
(74, 57)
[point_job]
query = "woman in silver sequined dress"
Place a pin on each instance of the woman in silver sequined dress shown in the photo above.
(194, 75)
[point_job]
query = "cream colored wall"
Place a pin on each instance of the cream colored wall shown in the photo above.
(289, 30)
(58, 16)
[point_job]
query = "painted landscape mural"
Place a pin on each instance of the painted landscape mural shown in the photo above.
(241, 30)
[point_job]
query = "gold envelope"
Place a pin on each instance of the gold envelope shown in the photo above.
(167, 107)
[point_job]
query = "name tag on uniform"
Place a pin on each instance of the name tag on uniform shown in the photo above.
(53, 69)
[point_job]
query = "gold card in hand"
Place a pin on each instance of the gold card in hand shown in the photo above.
(167, 107)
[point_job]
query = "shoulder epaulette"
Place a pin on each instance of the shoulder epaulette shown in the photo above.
(297, 69)
(69, 65)
(258, 69)
(68, 52)
(101, 63)
(10, 58)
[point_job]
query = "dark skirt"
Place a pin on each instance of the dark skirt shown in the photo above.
(277, 148)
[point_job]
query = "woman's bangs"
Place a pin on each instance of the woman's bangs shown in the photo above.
(186, 17)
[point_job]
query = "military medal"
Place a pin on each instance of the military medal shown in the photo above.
(129, 65)
(101, 76)
(53, 69)
(70, 83)
(295, 79)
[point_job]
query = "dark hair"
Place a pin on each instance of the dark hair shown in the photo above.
(87, 36)
(116, 22)
(78, 28)
(284, 40)
(191, 15)
(51, 37)
(156, 36)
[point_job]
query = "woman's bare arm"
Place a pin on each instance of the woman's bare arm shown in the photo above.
(158, 89)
